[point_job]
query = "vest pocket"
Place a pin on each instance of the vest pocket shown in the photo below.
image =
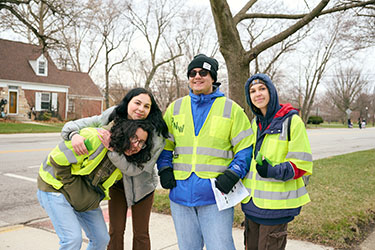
(220, 127)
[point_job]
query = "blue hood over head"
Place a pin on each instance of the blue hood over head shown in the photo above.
(273, 105)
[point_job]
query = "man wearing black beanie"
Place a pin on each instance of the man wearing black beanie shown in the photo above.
(210, 138)
(204, 62)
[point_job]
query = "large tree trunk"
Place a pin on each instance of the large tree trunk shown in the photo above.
(238, 73)
(236, 58)
(232, 51)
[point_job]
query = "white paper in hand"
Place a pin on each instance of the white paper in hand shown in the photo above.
(235, 196)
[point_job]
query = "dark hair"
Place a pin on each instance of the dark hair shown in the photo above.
(121, 132)
(155, 116)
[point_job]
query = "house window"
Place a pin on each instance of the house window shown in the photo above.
(42, 67)
(71, 107)
(45, 101)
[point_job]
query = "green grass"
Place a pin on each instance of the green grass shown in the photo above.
(335, 125)
(343, 202)
(11, 128)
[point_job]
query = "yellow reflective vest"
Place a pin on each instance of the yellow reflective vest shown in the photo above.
(269, 193)
(225, 132)
(64, 155)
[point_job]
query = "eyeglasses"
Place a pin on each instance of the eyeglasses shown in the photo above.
(140, 143)
(202, 73)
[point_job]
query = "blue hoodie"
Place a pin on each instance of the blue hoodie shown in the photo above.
(275, 116)
(195, 191)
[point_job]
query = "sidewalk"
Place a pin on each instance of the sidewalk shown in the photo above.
(39, 235)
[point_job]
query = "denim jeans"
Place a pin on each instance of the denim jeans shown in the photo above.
(203, 225)
(68, 223)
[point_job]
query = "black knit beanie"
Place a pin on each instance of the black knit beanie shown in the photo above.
(204, 62)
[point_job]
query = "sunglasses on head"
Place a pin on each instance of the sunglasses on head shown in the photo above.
(202, 73)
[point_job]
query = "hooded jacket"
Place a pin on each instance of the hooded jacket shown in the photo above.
(272, 123)
(196, 191)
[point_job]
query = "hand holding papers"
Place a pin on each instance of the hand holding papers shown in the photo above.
(236, 195)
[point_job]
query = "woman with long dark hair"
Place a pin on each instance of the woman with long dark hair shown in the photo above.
(70, 186)
(139, 181)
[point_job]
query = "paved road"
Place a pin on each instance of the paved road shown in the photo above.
(330, 141)
(21, 155)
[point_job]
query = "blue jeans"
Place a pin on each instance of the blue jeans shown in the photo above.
(203, 225)
(68, 222)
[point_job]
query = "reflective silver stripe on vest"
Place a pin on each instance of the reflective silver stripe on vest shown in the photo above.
(48, 168)
(182, 167)
(97, 152)
(227, 108)
(284, 131)
(260, 178)
(170, 137)
(249, 175)
(243, 134)
(300, 156)
(67, 152)
(184, 150)
(210, 168)
(294, 194)
(177, 106)
(199, 167)
(205, 151)
(215, 152)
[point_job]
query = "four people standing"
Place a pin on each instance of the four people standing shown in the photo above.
(210, 137)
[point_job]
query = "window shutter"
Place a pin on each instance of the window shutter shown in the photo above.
(54, 102)
(38, 97)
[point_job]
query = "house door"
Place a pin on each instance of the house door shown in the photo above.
(12, 102)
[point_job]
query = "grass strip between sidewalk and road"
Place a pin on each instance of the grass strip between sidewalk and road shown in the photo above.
(342, 208)
(13, 127)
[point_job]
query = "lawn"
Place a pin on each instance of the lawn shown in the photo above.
(343, 202)
(17, 127)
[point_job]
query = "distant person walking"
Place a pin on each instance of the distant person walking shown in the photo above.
(360, 123)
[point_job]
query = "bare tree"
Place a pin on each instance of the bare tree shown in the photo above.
(115, 37)
(153, 21)
(43, 18)
(361, 29)
(79, 46)
(345, 90)
(237, 58)
(195, 35)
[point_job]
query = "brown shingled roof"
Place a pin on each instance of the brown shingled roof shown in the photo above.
(80, 83)
(14, 65)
